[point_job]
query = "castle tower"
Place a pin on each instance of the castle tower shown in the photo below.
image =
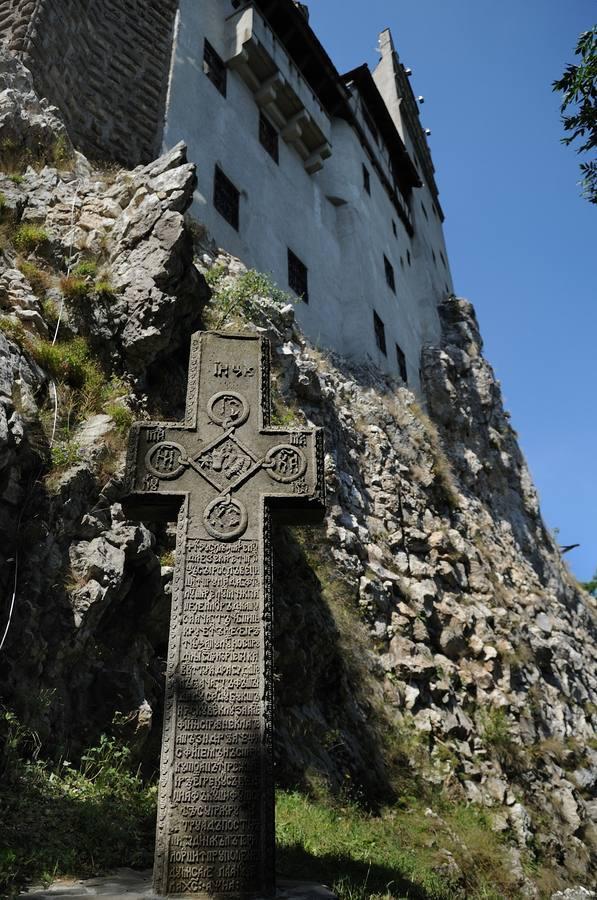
(104, 63)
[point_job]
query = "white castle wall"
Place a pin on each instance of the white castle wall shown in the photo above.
(283, 206)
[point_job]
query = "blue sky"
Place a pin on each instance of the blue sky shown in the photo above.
(522, 243)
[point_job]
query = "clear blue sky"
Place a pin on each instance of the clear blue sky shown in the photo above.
(522, 243)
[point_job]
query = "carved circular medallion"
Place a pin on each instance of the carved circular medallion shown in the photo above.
(285, 463)
(228, 409)
(225, 518)
(166, 460)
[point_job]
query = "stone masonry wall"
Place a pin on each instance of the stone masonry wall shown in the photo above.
(104, 63)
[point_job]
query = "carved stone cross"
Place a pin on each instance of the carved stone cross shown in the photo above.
(222, 473)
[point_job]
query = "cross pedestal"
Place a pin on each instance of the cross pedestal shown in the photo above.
(221, 473)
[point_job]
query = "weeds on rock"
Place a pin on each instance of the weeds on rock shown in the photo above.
(74, 289)
(240, 297)
(39, 279)
(30, 237)
(69, 820)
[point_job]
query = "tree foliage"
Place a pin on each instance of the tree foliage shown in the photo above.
(578, 86)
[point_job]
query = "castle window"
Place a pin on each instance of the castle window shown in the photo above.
(371, 125)
(394, 228)
(389, 273)
(366, 179)
(380, 333)
(268, 137)
(443, 259)
(226, 198)
(408, 256)
(424, 211)
(298, 276)
(401, 358)
(214, 67)
(434, 256)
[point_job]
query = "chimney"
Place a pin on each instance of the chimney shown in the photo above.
(303, 8)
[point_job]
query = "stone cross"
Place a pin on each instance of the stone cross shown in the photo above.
(222, 473)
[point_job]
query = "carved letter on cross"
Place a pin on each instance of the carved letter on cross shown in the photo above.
(221, 473)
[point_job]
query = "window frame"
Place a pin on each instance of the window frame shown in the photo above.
(268, 132)
(214, 68)
(366, 179)
(380, 334)
(298, 276)
(390, 274)
(401, 360)
(223, 185)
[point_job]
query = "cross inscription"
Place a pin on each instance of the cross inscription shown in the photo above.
(222, 474)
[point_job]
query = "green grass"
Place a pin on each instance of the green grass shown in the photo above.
(75, 289)
(86, 269)
(29, 237)
(62, 820)
(397, 854)
(39, 279)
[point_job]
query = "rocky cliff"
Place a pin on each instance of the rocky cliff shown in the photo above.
(429, 633)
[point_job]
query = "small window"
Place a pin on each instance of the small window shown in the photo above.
(401, 262)
(380, 333)
(443, 259)
(389, 273)
(408, 257)
(214, 67)
(434, 256)
(366, 179)
(268, 137)
(424, 211)
(226, 198)
(370, 125)
(401, 358)
(298, 276)
(394, 228)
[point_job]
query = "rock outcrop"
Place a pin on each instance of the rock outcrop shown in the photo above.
(431, 621)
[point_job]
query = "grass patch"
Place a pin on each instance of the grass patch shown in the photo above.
(74, 288)
(62, 820)
(86, 269)
(121, 416)
(64, 454)
(39, 279)
(13, 329)
(30, 237)
(400, 853)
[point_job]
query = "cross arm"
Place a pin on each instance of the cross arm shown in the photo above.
(147, 496)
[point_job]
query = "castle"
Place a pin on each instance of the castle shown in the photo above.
(321, 179)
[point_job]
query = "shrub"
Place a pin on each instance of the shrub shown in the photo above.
(104, 288)
(13, 329)
(29, 237)
(121, 416)
(73, 288)
(71, 362)
(85, 269)
(16, 179)
(243, 296)
(2, 202)
(39, 279)
(65, 454)
(66, 820)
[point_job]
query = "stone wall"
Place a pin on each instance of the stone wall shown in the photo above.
(104, 63)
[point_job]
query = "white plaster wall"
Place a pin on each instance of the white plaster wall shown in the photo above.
(282, 206)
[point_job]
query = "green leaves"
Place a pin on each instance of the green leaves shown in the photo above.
(578, 86)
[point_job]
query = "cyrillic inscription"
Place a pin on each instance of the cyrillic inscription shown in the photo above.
(217, 744)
